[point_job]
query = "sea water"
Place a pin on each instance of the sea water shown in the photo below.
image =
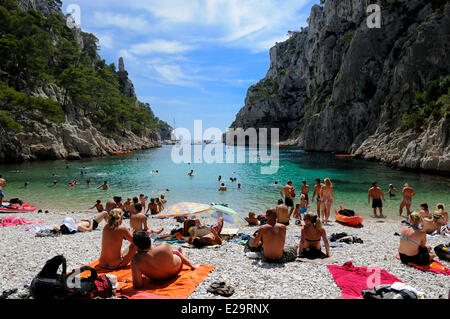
(134, 174)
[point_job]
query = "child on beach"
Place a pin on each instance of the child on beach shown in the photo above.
(303, 205)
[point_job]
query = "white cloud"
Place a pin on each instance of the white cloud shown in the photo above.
(123, 21)
(159, 46)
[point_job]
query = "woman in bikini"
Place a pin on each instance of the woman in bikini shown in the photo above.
(413, 241)
(326, 197)
(391, 191)
(311, 235)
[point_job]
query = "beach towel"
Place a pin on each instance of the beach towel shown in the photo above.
(179, 287)
(434, 266)
(353, 279)
(15, 221)
(187, 245)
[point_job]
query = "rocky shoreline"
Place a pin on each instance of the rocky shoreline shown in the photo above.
(22, 256)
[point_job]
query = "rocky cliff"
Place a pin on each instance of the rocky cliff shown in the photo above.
(75, 136)
(340, 86)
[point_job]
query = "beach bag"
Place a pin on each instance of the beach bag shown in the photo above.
(443, 252)
(423, 258)
(48, 284)
(16, 201)
(347, 212)
(103, 288)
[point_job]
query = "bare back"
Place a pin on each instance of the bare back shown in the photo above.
(274, 238)
(375, 192)
(112, 239)
(159, 263)
(282, 213)
(409, 248)
(138, 222)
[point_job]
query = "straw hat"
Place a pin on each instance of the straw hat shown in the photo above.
(438, 214)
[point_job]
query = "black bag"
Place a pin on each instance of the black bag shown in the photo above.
(443, 254)
(347, 212)
(16, 201)
(48, 284)
(423, 258)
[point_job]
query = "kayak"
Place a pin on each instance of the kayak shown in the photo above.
(348, 220)
(345, 156)
(123, 152)
(7, 207)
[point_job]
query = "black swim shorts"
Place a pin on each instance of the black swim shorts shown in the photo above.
(289, 202)
(377, 202)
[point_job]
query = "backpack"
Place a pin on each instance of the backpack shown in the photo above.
(443, 254)
(347, 212)
(49, 285)
(16, 201)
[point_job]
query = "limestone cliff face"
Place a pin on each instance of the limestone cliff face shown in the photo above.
(75, 137)
(341, 86)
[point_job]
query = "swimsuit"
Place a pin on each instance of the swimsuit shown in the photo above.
(303, 210)
(177, 253)
(2, 194)
(94, 224)
(327, 200)
(407, 201)
(289, 255)
(376, 202)
(286, 223)
(289, 202)
(422, 257)
(312, 253)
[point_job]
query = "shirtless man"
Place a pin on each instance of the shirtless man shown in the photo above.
(305, 191)
(138, 221)
(441, 207)
(283, 216)
(104, 186)
(158, 263)
(408, 193)
(376, 194)
(2, 186)
(326, 197)
(116, 202)
(274, 236)
(152, 207)
(163, 200)
(222, 188)
(317, 188)
(286, 194)
(114, 232)
(99, 206)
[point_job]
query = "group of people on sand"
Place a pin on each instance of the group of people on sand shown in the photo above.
(323, 194)
(413, 238)
(271, 238)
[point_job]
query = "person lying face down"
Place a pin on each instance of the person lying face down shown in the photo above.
(113, 234)
(201, 236)
(156, 263)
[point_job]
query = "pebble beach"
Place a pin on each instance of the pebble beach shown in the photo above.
(22, 256)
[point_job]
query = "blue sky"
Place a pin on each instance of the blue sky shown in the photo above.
(192, 59)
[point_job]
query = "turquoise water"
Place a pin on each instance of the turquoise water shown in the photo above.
(131, 175)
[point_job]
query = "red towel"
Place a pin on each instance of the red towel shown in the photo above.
(353, 279)
(14, 221)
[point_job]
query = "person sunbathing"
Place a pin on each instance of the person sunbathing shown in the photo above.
(138, 221)
(413, 241)
(273, 235)
(114, 232)
(206, 236)
(70, 226)
(251, 219)
(435, 223)
(311, 235)
(156, 263)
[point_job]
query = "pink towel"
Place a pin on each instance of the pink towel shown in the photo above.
(14, 221)
(353, 279)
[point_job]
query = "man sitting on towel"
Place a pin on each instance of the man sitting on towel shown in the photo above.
(138, 221)
(273, 235)
(113, 235)
(157, 263)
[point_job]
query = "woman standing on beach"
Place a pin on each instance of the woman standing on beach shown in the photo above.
(326, 197)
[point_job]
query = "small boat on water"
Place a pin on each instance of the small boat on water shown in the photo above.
(345, 156)
(123, 152)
